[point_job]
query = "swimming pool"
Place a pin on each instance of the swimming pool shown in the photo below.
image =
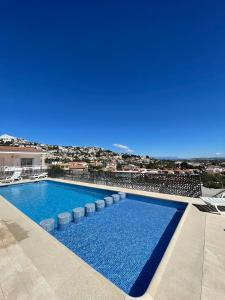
(125, 242)
(45, 199)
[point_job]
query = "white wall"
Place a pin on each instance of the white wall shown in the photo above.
(14, 160)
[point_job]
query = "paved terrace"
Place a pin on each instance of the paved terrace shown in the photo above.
(34, 265)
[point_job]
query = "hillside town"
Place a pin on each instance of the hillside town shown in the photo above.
(81, 158)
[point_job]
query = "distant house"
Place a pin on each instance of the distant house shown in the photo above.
(110, 167)
(14, 158)
(214, 169)
(78, 166)
(130, 168)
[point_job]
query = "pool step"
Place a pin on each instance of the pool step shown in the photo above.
(100, 205)
(116, 198)
(89, 209)
(63, 219)
(108, 201)
(48, 225)
(78, 214)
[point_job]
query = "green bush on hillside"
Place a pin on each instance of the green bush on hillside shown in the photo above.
(216, 181)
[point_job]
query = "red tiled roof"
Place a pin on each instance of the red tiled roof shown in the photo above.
(19, 149)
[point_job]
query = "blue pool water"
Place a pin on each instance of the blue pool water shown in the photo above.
(125, 242)
(46, 199)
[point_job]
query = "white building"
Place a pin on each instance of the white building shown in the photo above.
(22, 158)
(215, 169)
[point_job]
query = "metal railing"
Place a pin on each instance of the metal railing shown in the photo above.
(176, 184)
(25, 172)
(17, 168)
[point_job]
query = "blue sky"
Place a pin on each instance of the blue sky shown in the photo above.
(149, 75)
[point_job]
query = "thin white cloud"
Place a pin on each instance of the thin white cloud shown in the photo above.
(123, 148)
(219, 153)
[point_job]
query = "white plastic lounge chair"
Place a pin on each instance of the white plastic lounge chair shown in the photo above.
(38, 176)
(213, 201)
(15, 176)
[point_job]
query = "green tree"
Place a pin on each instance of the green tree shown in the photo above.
(184, 165)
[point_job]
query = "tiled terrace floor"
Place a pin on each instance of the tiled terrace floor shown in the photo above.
(19, 278)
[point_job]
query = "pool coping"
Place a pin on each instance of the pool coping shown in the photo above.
(152, 288)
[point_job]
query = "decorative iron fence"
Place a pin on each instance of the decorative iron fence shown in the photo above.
(183, 185)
